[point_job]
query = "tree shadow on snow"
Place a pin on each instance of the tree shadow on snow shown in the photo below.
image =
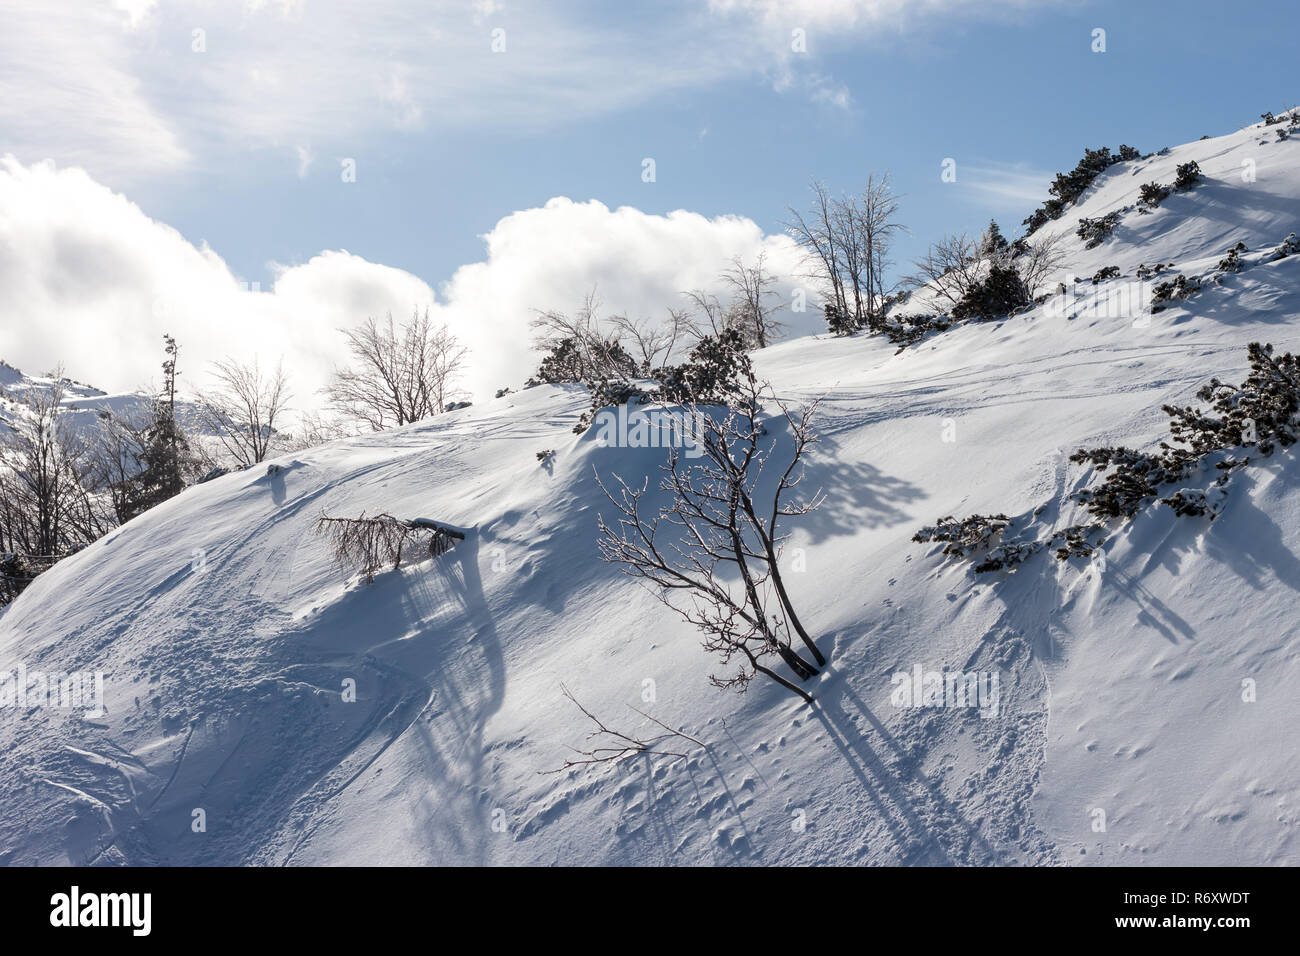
(926, 827)
(441, 674)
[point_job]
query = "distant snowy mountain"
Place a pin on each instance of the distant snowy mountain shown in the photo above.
(1146, 705)
(82, 404)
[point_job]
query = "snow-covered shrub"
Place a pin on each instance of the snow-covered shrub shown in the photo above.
(838, 320)
(1259, 413)
(1078, 541)
(1132, 481)
(1263, 412)
(1007, 555)
(1151, 195)
(962, 537)
(1101, 275)
(1096, 231)
(1180, 287)
(366, 544)
(1145, 272)
(569, 360)
(997, 294)
(1290, 246)
(905, 330)
(1190, 502)
(1232, 261)
(714, 374)
(607, 394)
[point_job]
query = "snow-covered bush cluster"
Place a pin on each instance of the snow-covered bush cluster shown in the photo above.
(1175, 289)
(1232, 261)
(1068, 187)
(1096, 231)
(1261, 414)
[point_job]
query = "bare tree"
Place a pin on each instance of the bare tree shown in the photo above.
(116, 452)
(951, 266)
(653, 345)
(243, 409)
(707, 304)
(315, 429)
(847, 243)
(818, 233)
(721, 520)
(875, 212)
(1039, 260)
(753, 312)
(401, 374)
(45, 510)
(583, 347)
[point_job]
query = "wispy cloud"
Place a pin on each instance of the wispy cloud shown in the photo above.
(138, 86)
(69, 88)
(1003, 185)
(305, 158)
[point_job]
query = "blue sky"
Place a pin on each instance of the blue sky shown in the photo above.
(1018, 93)
(227, 120)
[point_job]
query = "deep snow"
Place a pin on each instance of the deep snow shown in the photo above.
(226, 635)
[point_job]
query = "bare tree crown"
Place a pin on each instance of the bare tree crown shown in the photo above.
(399, 373)
(712, 552)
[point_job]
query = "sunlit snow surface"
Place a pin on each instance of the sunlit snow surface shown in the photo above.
(226, 636)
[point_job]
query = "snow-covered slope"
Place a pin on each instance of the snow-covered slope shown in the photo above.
(226, 636)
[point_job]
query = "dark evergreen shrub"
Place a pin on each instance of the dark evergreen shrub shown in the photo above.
(999, 293)
(1068, 187)
(1152, 195)
(1189, 174)
(961, 537)
(838, 320)
(568, 362)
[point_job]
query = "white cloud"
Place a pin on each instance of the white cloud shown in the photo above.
(87, 279)
(550, 257)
